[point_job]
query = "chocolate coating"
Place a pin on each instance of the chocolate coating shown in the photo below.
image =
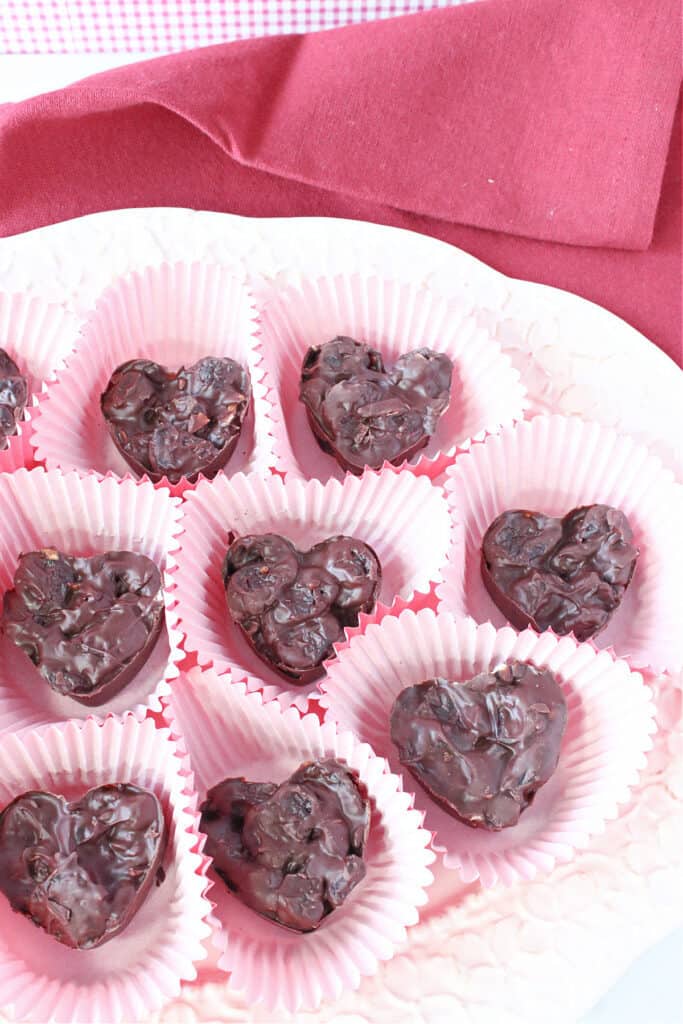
(81, 870)
(293, 605)
(87, 624)
(484, 747)
(568, 575)
(292, 852)
(177, 424)
(13, 397)
(364, 414)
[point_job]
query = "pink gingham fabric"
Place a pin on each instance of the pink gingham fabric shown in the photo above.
(163, 26)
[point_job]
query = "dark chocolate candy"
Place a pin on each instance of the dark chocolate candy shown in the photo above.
(482, 748)
(568, 575)
(177, 424)
(293, 605)
(81, 870)
(13, 397)
(87, 624)
(364, 414)
(292, 852)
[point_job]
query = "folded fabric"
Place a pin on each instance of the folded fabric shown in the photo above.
(545, 124)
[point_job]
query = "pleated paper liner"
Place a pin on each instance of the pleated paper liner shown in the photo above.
(404, 518)
(395, 318)
(552, 464)
(38, 336)
(609, 728)
(174, 314)
(83, 516)
(137, 972)
(229, 732)
(667, 694)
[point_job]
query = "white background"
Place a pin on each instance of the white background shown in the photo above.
(652, 991)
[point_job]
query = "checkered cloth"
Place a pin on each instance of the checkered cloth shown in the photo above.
(129, 26)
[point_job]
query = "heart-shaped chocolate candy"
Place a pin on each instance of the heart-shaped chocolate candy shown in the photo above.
(81, 870)
(13, 397)
(87, 624)
(366, 415)
(177, 424)
(482, 748)
(292, 852)
(568, 575)
(293, 605)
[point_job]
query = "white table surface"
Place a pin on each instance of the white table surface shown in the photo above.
(652, 990)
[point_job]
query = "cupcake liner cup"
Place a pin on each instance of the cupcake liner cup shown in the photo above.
(38, 336)
(174, 314)
(403, 518)
(83, 516)
(229, 732)
(553, 464)
(139, 970)
(609, 727)
(394, 317)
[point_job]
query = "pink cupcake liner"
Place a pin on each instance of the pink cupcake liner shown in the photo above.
(396, 318)
(38, 336)
(83, 516)
(175, 314)
(135, 973)
(402, 517)
(418, 602)
(553, 464)
(667, 694)
(610, 722)
(229, 732)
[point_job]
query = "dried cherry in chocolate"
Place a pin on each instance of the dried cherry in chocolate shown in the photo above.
(177, 424)
(13, 397)
(482, 748)
(366, 415)
(566, 574)
(81, 870)
(292, 852)
(293, 605)
(87, 624)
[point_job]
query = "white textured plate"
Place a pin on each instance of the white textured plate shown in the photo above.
(475, 954)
